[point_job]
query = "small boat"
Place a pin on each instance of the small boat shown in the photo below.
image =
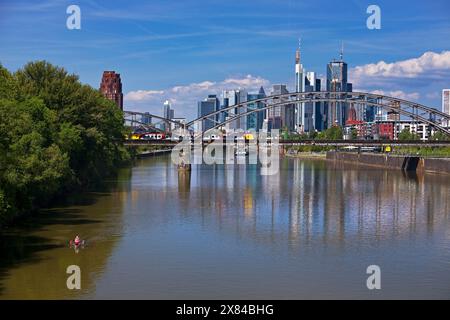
(74, 244)
(241, 153)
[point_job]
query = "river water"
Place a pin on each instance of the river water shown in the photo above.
(228, 232)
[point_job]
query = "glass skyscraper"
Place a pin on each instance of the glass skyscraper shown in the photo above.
(312, 109)
(299, 121)
(256, 119)
(206, 106)
(168, 114)
(337, 82)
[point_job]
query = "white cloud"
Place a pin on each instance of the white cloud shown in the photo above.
(429, 64)
(184, 98)
(246, 82)
(143, 95)
(398, 94)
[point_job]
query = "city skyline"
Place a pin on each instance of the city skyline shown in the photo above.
(162, 57)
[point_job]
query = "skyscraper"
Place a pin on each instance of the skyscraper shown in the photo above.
(242, 96)
(299, 87)
(255, 120)
(111, 87)
(309, 108)
(168, 114)
(446, 103)
(168, 111)
(281, 116)
(230, 98)
(337, 82)
(206, 106)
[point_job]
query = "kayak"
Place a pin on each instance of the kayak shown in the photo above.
(72, 243)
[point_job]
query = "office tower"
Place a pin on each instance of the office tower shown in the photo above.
(256, 119)
(168, 111)
(241, 96)
(146, 118)
(299, 87)
(168, 114)
(309, 107)
(281, 117)
(337, 82)
(446, 104)
(111, 87)
(206, 106)
(228, 98)
(320, 117)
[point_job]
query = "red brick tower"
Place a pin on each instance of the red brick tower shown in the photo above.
(111, 87)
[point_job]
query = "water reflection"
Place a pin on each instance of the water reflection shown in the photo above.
(309, 200)
(226, 231)
(184, 183)
(326, 215)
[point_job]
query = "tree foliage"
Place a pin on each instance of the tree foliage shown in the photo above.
(406, 134)
(55, 134)
(440, 136)
(333, 133)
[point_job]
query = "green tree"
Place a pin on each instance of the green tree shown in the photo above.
(55, 134)
(91, 126)
(333, 133)
(312, 135)
(406, 134)
(8, 85)
(440, 136)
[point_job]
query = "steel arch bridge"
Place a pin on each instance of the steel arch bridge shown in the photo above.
(131, 116)
(413, 110)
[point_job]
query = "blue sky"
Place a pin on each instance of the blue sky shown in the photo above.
(183, 50)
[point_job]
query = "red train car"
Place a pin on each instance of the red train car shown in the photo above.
(152, 136)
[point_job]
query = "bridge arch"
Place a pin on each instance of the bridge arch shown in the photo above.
(404, 107)
(135, 113)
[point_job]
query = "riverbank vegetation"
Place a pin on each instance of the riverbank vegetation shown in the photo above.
(443, 152)
(56, 135)
(333, 133)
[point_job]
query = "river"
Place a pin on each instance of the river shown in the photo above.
(228, 232)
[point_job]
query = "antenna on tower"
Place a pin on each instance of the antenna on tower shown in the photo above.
(297, 53)
(342, 51)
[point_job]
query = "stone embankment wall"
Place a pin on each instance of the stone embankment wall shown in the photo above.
(406, 163)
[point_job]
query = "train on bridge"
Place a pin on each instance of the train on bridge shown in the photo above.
(163, 136)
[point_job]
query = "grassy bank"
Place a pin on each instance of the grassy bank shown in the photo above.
(423, 151)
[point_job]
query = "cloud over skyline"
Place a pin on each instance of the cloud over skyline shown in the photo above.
(380, 78)
(184, 98)
(428, 65)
